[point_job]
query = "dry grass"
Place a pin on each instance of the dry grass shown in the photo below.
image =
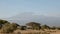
(30, 32)
(34, 32)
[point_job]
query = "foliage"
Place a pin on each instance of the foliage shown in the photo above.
(58, 28)
(34, 25)
(53, 28)
(2, 22)
(8, 28)
(45, 27)
(23, 28)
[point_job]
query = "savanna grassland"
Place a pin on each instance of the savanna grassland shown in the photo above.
(30, 28)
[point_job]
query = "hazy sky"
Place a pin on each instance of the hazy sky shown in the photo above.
(9, 8)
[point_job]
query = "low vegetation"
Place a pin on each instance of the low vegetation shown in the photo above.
(10, 28)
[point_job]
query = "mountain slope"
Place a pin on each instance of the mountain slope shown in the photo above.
(28, 17)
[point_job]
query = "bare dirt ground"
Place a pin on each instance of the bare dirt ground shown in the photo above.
(57, 32)
(37, 31)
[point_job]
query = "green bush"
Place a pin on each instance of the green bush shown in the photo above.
(8, 28)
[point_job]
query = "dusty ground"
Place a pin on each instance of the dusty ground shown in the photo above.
(35, 31)
(57, 32)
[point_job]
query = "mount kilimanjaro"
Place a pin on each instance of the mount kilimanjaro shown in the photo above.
(24, 18)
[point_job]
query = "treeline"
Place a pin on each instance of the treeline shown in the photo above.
(7, 27)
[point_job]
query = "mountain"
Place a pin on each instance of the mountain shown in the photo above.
(24, 18)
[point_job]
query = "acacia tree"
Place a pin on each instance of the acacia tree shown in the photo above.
(45, 27)
(34, 25)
